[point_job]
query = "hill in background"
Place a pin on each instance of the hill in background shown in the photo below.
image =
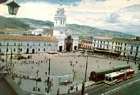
(91, 31)
(22, 25)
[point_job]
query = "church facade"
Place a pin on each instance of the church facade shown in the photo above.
(66, 41)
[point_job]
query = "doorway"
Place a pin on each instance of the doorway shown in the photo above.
(60, 48)
(68, 43)
(33, 51)
(27, 51)
(75, 47)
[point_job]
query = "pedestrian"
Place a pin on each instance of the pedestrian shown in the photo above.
(76, 88)
(58, 91)
(68, 91)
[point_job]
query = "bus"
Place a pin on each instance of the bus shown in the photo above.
(99, 76)
(119, 76)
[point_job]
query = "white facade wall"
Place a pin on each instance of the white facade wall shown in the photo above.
(75, 43)
(123, 47)
(61, 43)
(27, 46)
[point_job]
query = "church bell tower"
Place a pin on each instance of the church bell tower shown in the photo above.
(60, 18)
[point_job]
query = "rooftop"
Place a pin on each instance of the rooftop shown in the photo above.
(9, 87)
(28, 38)
(124, 40)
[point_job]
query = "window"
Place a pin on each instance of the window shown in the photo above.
(49, 44)
(7, 50)
(28, 44)
(44, 44)
(7, 44)
(0, 44)
(44, 49)
(21, 49)
(14, 44)
(14, 49)
(39, 49)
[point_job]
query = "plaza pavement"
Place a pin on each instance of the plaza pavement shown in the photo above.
(61, 69)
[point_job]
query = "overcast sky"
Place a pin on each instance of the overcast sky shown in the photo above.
(119, 15)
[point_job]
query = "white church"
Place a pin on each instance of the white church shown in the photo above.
(66, 41)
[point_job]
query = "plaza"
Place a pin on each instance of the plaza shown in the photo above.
(63, 66)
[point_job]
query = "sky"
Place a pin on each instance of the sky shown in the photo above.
(117, 15)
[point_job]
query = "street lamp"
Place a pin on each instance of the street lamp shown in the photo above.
(83, 84)
(49, 82)
(13, 8)
(2, 1)
(72, 64)
(36, 85)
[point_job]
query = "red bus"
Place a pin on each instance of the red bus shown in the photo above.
(119, 76)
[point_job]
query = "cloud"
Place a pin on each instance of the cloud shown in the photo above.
(41, 11)
(118, 15)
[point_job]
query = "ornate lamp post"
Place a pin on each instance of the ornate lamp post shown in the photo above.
(13, 8)
(3, 1)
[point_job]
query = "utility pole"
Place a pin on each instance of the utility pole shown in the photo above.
(11, 64)
(136, 54)
(73, 68)
(6, 55)
(6, 58)
(36, 83)
(128, 59)
(48, 80)
(83, 84)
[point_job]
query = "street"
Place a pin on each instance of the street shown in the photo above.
(128, 87)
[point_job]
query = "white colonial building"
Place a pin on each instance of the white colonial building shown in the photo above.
(114, 46)
(27, 44)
